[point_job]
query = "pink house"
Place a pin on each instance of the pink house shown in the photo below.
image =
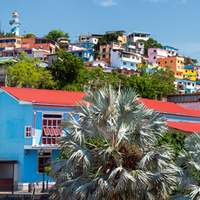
(197, 72)
(155, 53)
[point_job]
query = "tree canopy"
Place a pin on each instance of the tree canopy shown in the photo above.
(69, 72)
(111, 151)
(29, 35)
(55, 34)
(150, 43)
(27, 73)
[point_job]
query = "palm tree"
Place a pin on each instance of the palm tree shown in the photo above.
(189, 161)
(111, 151)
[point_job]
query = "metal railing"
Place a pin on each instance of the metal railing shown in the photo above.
(15, 188)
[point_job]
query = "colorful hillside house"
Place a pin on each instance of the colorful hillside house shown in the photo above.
(30, 123)
(189, 72)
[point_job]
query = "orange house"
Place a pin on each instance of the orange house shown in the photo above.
(175, 62)
(39, 43)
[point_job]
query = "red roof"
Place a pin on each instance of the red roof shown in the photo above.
(70, 98)
(169, 107)
(45, 96)
(185, 126)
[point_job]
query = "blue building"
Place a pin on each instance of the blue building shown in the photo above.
(86, 54)
(188, 85)
(30, 124)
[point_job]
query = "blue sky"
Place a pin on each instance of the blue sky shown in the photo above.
(170, 22)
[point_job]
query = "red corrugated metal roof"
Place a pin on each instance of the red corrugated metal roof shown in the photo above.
(45, 96)
(185, 126)
(70, 98)
(168, 107)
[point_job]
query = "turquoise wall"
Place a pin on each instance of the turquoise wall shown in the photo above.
(13, 119)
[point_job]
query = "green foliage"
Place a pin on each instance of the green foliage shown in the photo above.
(188, 61)
(55, 34)
(27, 73)
(112, 151)
(144, 87)
(7, 34)
(150, 43)
(68, 72)
(195, 61)
(29, 35)
(162, 81)
(176, 139)
(106, 39)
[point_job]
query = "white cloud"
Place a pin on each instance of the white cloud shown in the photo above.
(184, 1)
(106, 3)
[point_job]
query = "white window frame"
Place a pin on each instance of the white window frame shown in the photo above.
(55, 137)
(28, 131)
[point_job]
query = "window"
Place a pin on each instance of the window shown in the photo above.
(179, 67)
(188, 83)
(104, 50)
(192, 84)
(176, 73)
(28, 51)
(80, 54)
(165, 62)
(51, 129)
(132, 64)
(182, 67)
(155, 51)
(192, 71)
(158, 62)
(178, 61)
(124, 63)
(18, 42)
(27, 131)
(171, 61)
(154, 58)
(186, 71)
(43, 160)
(104, 56)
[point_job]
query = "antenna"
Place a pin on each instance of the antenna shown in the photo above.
(24, 32)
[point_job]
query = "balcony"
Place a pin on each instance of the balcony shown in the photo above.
(130, 59)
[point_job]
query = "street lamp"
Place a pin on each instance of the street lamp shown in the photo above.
(41, 153)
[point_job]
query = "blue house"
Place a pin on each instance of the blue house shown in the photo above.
(30, 124)
(86, 54)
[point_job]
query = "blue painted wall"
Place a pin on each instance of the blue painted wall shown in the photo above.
(12, 123)
(128, 65)
(30, 172)
(85, 59)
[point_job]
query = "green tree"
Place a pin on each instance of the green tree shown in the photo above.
(29, 35)
(27, 73)
(195, 61)
(176, 139)
(144, 87)
(162, 80)
(69, 72)
(188, 61)
(150, 43)
(189, 163)
(112, 151)
(55, 34)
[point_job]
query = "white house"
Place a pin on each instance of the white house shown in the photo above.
(124, 60)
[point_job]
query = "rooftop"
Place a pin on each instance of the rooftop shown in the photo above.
(39, 96)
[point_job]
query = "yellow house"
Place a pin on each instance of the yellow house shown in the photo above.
(189, 73)
(9, 42)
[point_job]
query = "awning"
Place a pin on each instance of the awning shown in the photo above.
(185, 126)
